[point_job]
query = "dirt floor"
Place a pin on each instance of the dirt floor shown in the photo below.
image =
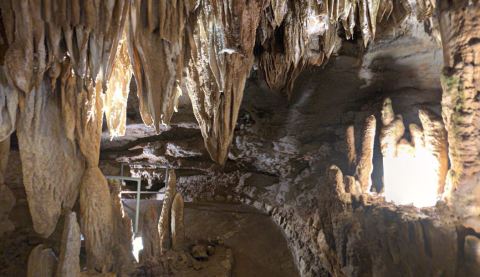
(259, 248)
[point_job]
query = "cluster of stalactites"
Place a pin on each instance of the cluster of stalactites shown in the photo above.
(294, 34)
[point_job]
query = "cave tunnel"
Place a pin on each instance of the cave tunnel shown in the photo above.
(248, 138)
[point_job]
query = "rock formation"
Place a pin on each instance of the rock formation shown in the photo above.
(365, 166)
(221, 40)
(156, 31)
(150, 236)
(459, 28)
(177, 228)
(41, 262)
(164, 230)
(69, 258)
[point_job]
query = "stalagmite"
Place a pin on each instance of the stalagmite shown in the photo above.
(41, 262)
(122, 232)
(435, 144)
(176, 225)
(351, 149)
(96, 220)
(364, 168)
(164, 222)
(150, 236)
(156, 37)
(460, 33)
(392, 130)
(69, 259)
(221, 38)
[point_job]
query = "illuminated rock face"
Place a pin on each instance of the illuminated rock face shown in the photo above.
(414, 172)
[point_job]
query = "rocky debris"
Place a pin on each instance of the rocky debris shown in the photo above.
(459, 28)
(176, 224)
(69, 258)
(199, 252)
(42, 262)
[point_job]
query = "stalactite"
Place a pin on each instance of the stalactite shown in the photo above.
(69, 258)
(221, 38)
(364, 168)
(117, 91)
(176, 226)
(48, 188)
(460, 29)
(164, 222)
(156, 37)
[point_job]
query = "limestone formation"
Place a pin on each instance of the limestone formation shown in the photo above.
(351, 148)
(96, 220)
(177, 227)
(156, 45)
(459, 28)
(117, 91)
(435, 144)
(69, 258)
(365, 162)
(41, 262)
(48, 188)
(7, 199)
(150, 236)
(392, 130)
(122, 232)
(164, 230)
(221, 38)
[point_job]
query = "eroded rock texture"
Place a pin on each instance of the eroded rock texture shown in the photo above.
(156, 43)
(41, 262)
(460, 33)
(164, 230)
(177, 227)
(69, 258)
(221, 40)
(58, 61)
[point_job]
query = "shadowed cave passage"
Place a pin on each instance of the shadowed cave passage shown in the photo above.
(239, 138)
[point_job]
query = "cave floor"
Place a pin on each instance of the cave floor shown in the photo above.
(258, 245)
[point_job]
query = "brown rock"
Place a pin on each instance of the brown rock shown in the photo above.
(164, 222)
(69, 260)
(41, 262)
(177, 226)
